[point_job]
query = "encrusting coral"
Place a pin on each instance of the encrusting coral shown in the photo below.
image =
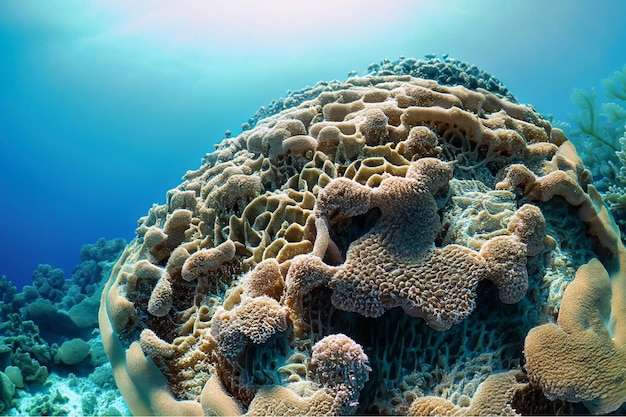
(394, 263)
(339, 365)
(581, 358)
(333, 258)
(492, 398)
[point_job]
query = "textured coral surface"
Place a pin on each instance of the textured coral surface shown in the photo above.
(383, 246)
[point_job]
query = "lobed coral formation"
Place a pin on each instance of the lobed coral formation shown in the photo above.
(581, 357)
(383, 246)
(444, 70)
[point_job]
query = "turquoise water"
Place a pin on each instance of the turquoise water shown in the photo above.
(104, 106)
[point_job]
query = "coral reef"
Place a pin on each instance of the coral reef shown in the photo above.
(381, 245)
(445, 70)
(50, 348)
(582, 357)
(601, 140)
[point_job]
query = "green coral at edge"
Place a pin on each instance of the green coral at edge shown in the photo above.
(601, 140)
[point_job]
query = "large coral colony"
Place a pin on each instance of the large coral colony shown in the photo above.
(408, 242)
(412, 241)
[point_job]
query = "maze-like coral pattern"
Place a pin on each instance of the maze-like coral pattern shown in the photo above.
(312, 228)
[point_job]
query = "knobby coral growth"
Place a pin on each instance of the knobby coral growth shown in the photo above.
(381, 245)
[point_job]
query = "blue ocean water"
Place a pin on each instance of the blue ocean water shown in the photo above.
(104, 105)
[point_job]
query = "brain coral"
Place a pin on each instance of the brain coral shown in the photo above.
(379, 245)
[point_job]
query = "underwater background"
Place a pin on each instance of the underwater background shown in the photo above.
(105, 105)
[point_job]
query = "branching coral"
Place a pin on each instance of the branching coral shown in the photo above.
(607, 126)
(587, 118)
(615, 195)
(601, 139)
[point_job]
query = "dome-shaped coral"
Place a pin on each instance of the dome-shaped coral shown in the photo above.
(334, 257)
